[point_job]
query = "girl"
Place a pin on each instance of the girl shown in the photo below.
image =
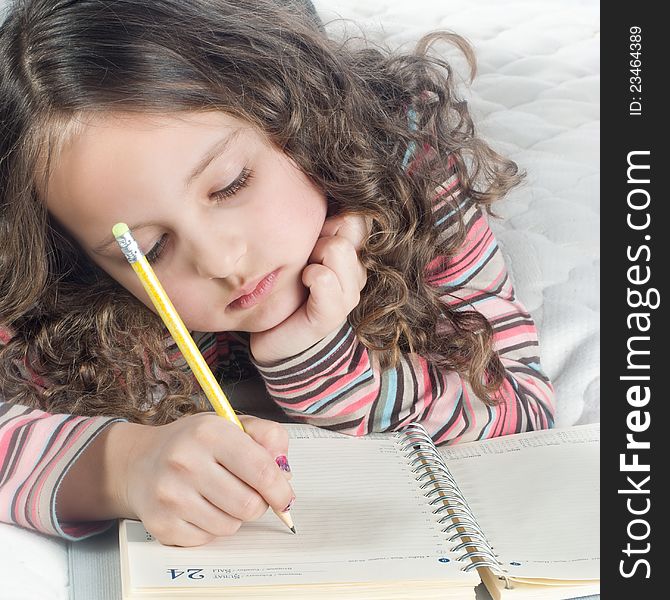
(313, 208)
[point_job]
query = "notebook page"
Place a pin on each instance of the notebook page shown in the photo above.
(359, 516)
(536, 498)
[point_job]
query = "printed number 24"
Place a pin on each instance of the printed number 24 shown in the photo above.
(190, 573)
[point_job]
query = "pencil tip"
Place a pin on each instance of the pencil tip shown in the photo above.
(293, 529)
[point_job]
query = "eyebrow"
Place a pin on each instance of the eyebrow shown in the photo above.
(214, 152)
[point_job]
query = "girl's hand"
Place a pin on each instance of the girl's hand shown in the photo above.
(201, 477)
(335, 278)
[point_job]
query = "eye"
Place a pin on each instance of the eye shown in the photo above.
(241, 181)
(155, 253)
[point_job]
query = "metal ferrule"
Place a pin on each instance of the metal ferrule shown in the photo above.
(129, 247)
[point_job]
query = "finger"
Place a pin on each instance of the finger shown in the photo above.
(338, 254)
(273, 437)
(320, 275)
(327, 302)
(269, 434)
(208, 518)
(250, 462)
(284, 466)
(228, 494)
(178, 533)
(355, 228)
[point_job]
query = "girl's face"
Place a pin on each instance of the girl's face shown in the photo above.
(211, 203)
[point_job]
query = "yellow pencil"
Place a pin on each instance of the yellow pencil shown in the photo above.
(179, 333)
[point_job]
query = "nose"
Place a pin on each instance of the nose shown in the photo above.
(216, 258)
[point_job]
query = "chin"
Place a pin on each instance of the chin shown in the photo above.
(268, 318)
(274, 312)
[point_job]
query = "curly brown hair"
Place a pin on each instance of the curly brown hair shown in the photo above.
(339, 109)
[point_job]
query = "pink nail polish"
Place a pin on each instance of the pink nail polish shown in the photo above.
(289, 505)
(282, 462)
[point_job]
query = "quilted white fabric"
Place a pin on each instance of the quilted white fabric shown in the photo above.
(536, 99)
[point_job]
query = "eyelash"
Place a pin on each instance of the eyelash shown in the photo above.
(154, 254)
(240, 182)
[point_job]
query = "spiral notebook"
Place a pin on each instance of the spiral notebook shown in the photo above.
(391, 516)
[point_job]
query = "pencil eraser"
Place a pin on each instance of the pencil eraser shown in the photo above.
(119, 229)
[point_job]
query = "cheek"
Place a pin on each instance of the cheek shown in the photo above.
(188, 298)
(313, 220)
(306, 214)
(194, 301)
(291, 228)
(297, 208)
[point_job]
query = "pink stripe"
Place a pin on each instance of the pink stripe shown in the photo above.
(474, 250)
(366, 400)
(523, 331)
(541, 418)
(312, 383)
(467, 408)
(447, 435)
(453, 393)
(444, 191)
(60, 452)
(480, 291)
(510, 423)
(500, 414)
(338, 408)
(434, 265)
(534, 409)
(28, 486)
(333, 370)
(24, 488)
(426, 151)
(339, 380)
(7, 432)
(426, 398)
(458, 265)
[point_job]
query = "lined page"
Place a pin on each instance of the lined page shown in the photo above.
(536, 498)
(359, 516)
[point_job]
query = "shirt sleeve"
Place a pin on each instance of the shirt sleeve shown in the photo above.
(337, 384)
(37, 448)
(36, 451)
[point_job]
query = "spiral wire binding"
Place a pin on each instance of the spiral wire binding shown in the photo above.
(427, 464)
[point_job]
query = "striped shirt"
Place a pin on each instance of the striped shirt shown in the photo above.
(336, 383)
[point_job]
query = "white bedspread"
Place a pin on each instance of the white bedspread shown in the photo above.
(536, 99)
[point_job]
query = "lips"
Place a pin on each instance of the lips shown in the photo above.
(248, 289)
(250, 295)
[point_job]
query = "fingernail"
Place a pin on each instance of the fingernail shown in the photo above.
(289, 505)
(282, 462)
